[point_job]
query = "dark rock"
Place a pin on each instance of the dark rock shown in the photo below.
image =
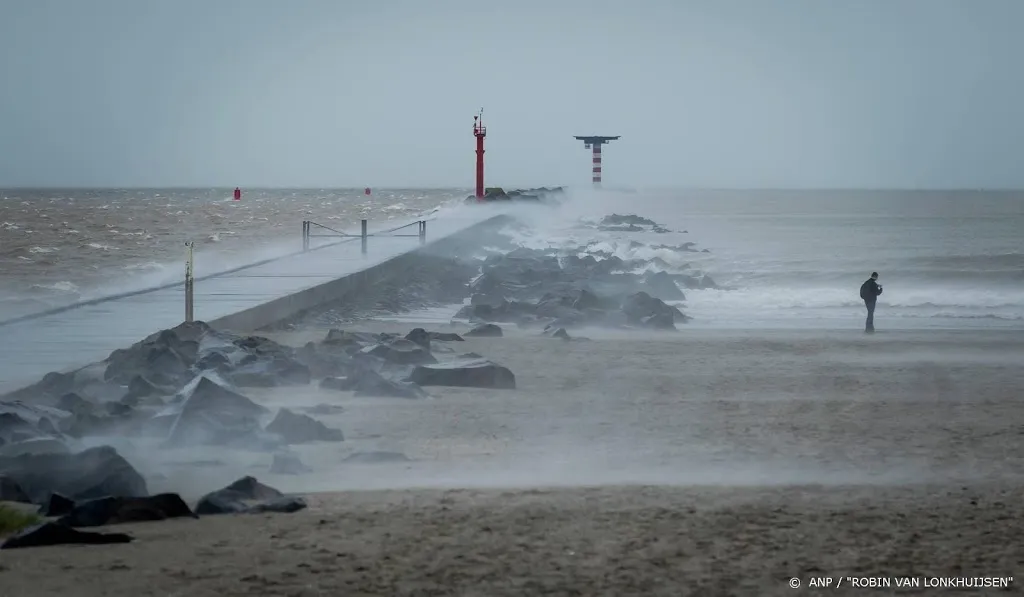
(90, 474)
(400, 352)
(50, 533)
(213, 414)
(376, 457)
(139, 387)
(628, 220)
(169, 354)
(485, 330)
(10, 491)
(478, 373)
(643, 309)
(324, 409)
(281, 505)
(367, 382)
(57, 505)
(358, 340)
(75, 404)
(116, 510)
(661, 286)
(445, 337)
(237, 497)
(288, 463)
(297, 429)
(420, 336)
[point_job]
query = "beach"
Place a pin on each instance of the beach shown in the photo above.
(690, 463)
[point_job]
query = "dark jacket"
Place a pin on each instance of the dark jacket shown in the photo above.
(870, 290)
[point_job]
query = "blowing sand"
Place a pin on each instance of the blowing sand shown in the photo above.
(699, 463)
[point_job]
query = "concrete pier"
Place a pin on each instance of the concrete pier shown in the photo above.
(245, 299)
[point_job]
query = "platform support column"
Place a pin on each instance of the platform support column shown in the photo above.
(363, 235)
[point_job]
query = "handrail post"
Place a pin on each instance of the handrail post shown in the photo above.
(305, 235)
(363, 235)
(190, 283)
(423, 232)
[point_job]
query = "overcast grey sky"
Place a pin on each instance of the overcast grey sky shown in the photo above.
(715, 93)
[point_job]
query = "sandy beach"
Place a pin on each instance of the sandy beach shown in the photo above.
(697, 463)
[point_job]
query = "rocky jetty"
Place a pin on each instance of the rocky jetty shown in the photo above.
(538, 195)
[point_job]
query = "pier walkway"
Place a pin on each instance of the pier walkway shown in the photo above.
(82, 335)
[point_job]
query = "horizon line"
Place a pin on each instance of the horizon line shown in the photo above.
(469, 188)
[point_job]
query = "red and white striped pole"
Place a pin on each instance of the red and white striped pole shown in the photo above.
(596, 178)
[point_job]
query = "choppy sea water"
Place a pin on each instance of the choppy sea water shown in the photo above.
(783, 258)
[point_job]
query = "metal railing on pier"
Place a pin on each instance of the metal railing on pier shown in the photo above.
(307, 233)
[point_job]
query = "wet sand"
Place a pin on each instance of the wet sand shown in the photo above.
(699, 463)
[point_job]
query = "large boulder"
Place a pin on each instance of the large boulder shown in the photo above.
(52, 533)
(247, 495)
(90, 474)
(114, 510)
(209, 412)
(364, 381)
(296, 428)
(400, 352)
(644, 310)
(485, 330)
(468, 373)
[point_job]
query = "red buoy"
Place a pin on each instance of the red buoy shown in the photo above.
(366, 191)
(238, 194)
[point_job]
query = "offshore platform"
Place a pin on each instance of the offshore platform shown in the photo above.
(596, 142)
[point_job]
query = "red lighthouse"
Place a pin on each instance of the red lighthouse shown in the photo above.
(479, 131)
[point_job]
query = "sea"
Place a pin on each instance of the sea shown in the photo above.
(946, 259)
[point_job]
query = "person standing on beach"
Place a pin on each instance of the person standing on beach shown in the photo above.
(869, 291)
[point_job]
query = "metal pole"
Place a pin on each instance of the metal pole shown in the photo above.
(189, 283)
(363, 224)
(305, 235)
(423, 232)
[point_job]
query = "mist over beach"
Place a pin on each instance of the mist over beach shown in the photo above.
(637, 372)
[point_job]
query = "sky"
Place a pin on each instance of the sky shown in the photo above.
(382, 93)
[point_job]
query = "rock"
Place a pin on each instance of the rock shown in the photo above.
(212, 414)
(281, 505)
(57, 505)
(90, 474)
(139, 387)
(661, 286)
(643, 309)
(20, 421)
(367, 382)
(476, 373)
(237, 497)
(297, 429)
(376, 457)
(10, 491)
(557, 332)
(400, 352)
(485, 330)
(628, 220)
(420, 336)
(167, 354)
(116, 510)
(445, 337)
(50, 533)
(324, 409)
(288, 463)
(36, 445)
